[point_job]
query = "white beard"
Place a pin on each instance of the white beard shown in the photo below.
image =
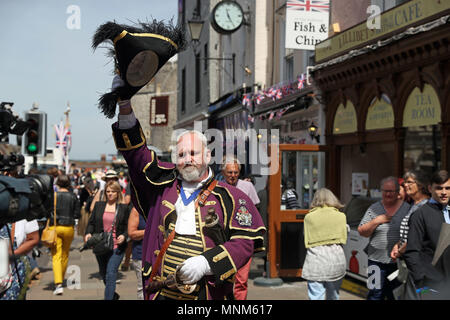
(191, 173)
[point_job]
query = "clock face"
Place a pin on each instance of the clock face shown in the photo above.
(227, 16)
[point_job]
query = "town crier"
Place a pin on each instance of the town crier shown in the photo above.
(199, 231)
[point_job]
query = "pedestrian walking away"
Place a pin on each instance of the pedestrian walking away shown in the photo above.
(67, 211)
(325, 234)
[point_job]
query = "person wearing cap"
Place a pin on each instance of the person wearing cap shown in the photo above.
(110, 175)
(199, 231)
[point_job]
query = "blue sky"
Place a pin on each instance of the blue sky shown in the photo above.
(43, 60)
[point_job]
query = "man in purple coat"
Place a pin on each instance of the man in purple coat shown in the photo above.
(199, 232)
(166, 194)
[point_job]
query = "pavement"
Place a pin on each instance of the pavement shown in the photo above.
(83, 281)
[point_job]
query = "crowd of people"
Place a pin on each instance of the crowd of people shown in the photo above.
(87, 203)
(403, 228)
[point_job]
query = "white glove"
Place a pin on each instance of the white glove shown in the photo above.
(117, 82)
(193, 269)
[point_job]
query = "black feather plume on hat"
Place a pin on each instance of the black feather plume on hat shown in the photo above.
(109, 31)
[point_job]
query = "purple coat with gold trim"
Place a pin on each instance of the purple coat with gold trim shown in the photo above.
(154, 192)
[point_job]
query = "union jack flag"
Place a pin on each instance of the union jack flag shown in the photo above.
(309, 5)
(301, 81)
(279, 94)
(251, 119)
(63, 138)
(271, 92)
(259, 98)
(246, 100)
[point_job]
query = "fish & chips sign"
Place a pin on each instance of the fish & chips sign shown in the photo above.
(306, 23)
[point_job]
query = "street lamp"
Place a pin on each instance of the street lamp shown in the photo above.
(195, 28)
(313, 132)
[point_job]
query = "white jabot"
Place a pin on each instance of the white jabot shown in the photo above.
(185, 224)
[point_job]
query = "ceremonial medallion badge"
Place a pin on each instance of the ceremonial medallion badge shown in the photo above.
(243, 216)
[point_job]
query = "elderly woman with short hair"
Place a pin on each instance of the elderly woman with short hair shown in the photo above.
(325, 229)
(381, 224)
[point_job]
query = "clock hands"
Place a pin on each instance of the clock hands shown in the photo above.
(229, 18)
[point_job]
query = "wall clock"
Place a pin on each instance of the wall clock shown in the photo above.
(227, 17)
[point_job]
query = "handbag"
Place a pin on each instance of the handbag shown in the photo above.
(7, 279)
(106, 244)
(48, 237)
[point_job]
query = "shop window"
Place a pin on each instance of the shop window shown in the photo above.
(289, 65)
(302, 175)
(422, 150)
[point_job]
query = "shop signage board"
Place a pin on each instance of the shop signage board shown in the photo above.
(380, 114)
(422, 108)
(391, 21)
(306, 23)
(159, 111)
(345, 119)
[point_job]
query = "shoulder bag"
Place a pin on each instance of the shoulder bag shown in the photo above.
(48, 237)
(106, 245)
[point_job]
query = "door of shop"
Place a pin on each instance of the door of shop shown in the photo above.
(301, 172)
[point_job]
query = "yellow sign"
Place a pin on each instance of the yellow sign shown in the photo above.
(422, 108)
(345, 119)
(380, 114)
(390, 21)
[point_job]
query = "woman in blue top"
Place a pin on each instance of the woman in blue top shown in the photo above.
(136, 228)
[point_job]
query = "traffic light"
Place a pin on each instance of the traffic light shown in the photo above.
(35, 142)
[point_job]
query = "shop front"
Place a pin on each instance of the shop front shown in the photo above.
(387, 101)
(298, 119)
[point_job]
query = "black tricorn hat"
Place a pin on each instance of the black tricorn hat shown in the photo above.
(139, 52)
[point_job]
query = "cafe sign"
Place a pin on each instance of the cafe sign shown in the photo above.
(345, 119)
(422, 108)
(391, 21)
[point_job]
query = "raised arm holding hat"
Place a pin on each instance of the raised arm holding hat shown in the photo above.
(181, 259)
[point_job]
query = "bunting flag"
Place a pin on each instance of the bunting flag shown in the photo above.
(301, 81)
(279, 94)
(246, 100)
(259, 98)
